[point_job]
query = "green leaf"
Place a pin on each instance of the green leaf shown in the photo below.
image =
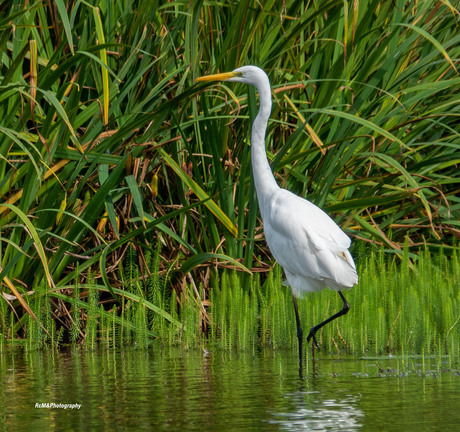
(198, 259)
(38, 244)
(65, 22)
(200, 193)
(137, 199)
(432, 39)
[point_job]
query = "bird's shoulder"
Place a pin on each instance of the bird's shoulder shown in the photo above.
(292, 216)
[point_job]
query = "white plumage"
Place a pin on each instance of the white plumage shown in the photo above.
(304, 240)
(308, 244)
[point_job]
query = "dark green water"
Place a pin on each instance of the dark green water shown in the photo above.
(178, 390)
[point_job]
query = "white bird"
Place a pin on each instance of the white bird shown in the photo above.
(305, 241)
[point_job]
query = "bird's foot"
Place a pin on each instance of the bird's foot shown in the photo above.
(312, 335)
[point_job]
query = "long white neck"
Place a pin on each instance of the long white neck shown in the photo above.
(263, 177)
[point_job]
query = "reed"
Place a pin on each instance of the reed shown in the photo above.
(109, 150)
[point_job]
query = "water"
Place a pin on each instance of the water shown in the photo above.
(180, 390)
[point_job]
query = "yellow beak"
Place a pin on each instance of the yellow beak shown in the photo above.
(217, 77)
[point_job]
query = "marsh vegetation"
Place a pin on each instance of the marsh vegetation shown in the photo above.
(120, 219)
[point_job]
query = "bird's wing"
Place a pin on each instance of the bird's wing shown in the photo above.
(295, 217)
(308, 243)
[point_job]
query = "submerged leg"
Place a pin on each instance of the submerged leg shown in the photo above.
(299, 331)
(343, 311)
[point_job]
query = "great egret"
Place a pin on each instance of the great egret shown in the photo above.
(305, 241)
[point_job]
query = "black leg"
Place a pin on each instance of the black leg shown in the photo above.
(343, 311)
(299, 333)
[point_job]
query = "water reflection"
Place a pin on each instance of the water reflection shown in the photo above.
(306, 411)
(180, 390)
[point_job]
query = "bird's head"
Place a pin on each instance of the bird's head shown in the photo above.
(245, 74)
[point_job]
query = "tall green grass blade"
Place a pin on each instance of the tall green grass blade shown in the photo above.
(209, 203)
(65, 22)
(36, 238)
(432, 39)
(133, 187)
(188, 265)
